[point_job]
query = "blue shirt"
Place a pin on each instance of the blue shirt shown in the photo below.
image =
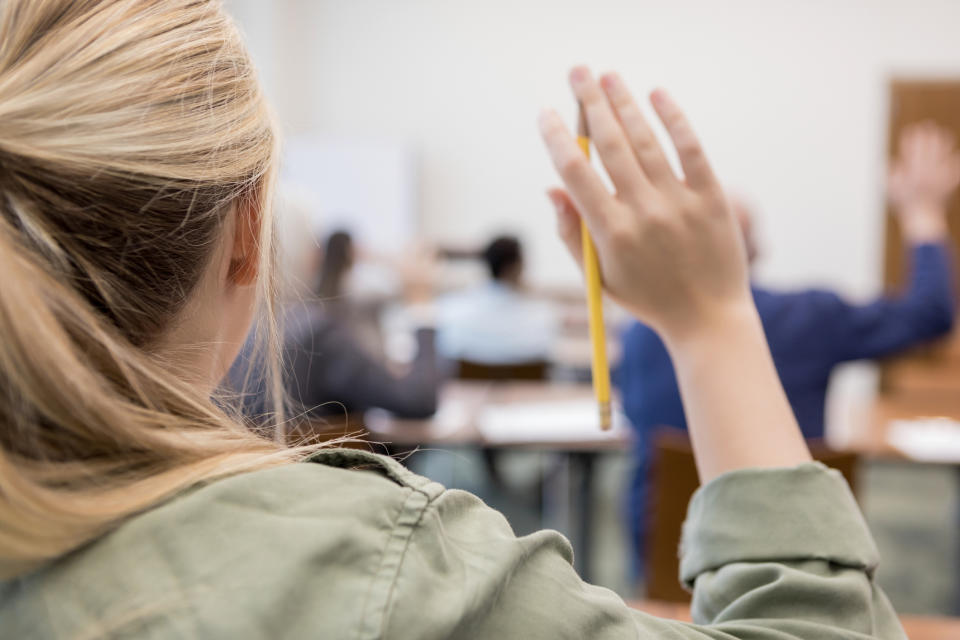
(809, 333)
(496, 324)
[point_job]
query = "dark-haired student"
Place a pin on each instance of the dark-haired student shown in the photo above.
(497, 322)
(327, 370)
(811, 331)
(133, 506)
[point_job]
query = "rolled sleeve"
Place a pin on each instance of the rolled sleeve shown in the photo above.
(785, 551)
(764, 515)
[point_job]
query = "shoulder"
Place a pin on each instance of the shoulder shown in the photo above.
(263, 554)
(331, 480)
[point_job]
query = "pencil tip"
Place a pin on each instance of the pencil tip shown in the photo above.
(606, 416)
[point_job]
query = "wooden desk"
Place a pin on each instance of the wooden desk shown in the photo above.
(456, 423)
(460, 407)
(917, 627)
(870, 435)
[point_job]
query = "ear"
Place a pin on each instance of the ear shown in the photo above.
(245, 254)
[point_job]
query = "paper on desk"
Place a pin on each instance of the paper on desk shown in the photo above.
(563, 421)
(927, 439)
(452, 416)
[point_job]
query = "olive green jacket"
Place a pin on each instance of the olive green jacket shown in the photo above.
(355, 546)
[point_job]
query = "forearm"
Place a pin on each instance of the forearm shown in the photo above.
(926, 305)
(930, 285)
(737, 411)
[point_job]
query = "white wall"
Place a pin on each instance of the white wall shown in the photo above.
(789, 97)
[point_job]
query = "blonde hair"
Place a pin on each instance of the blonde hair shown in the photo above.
(128, 130)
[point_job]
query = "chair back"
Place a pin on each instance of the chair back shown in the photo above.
(315, 430)
(468, 370)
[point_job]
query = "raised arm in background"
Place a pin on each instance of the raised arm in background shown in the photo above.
(923, 177)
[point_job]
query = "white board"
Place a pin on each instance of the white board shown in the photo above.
(366, 188)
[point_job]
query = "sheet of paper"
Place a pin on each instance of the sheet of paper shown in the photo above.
(452, 416)
(927, 440)
(563, 421)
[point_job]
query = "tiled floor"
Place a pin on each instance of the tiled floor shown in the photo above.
(912, 510)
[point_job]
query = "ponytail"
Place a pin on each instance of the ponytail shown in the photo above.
(129, 130)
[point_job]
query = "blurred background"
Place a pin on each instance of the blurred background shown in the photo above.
(411, 124)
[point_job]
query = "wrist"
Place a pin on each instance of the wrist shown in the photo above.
(923, 223)
(737, 411)
(727, 322)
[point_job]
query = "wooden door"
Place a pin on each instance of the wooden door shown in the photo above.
(933, 368)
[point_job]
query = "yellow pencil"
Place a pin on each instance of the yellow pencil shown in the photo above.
(591, 270)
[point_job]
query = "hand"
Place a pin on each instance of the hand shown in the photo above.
(922, 178)
(669, 248)
(670, 252)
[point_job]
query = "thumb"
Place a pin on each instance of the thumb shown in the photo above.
(568, 222)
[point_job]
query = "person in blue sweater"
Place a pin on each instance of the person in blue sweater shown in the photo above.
(811, 331)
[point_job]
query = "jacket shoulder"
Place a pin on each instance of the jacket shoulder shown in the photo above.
(262, 554)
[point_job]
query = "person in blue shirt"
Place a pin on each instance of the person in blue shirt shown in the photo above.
(498, 322)
(811, 331)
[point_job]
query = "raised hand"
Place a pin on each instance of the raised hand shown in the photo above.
(669, 248)
(670, 252)
(923, 176)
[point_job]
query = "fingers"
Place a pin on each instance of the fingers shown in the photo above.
(916, 144)
(926, 141)
(927, 153)
(696, 168)
(583, 183)
(608, 136)
(652, 160)
(568, 223)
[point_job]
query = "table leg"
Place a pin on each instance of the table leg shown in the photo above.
(583, 464)
(956, 573)
(555, 492)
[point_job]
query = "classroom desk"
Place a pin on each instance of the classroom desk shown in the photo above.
(870, 434)
(456, 424)
(460, 404)
(917, 627)
(871, 429)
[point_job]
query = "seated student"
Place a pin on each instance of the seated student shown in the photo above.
(337, 259)
(811, 331)
(136, 157)
(334, 286)
(326, 370)
(497, 322)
